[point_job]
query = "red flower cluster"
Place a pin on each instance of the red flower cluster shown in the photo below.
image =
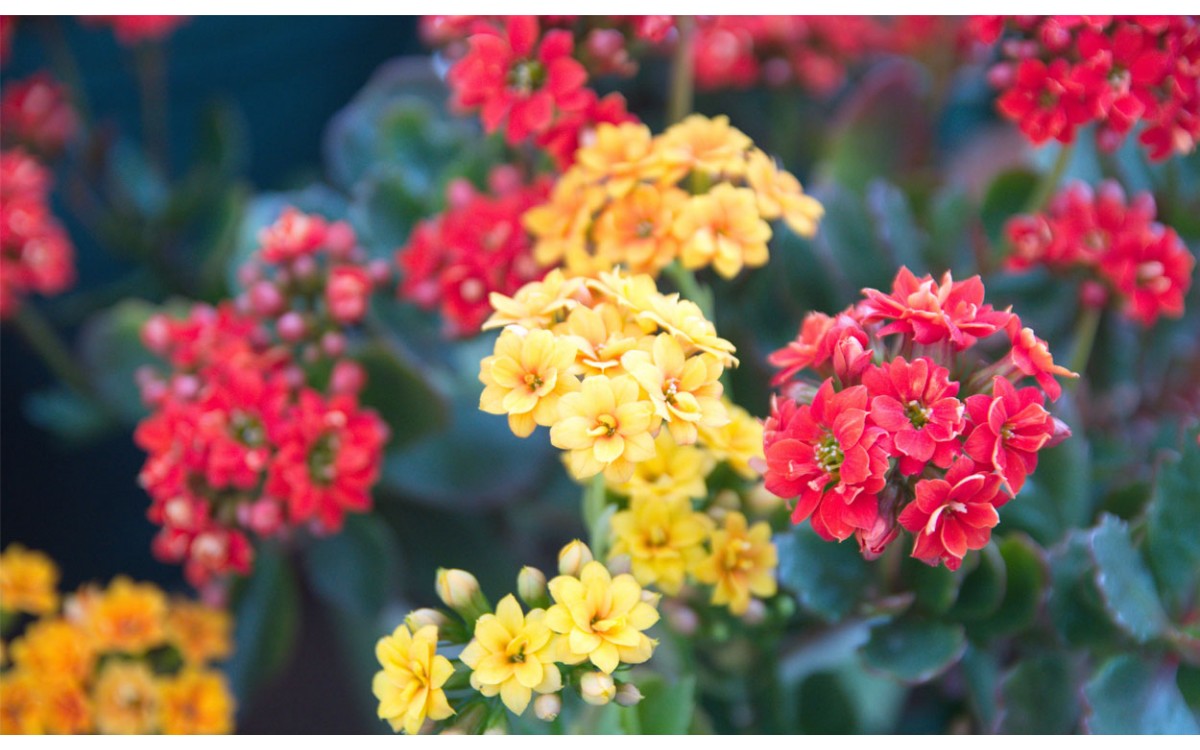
(37, 114)
(1063, 72)
(890, 439)
(1119, 248)
(239, 442)
(132, 30)
(478, 246)
(36, 254)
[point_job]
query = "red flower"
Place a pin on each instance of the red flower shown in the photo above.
(1152, 272)
(1008, 429)
(1045, 101)
(930, 312)
(575, 128)
(131, 30)
(814, 347)
(952, 515)
(1031, 356)
(832, 461)
(36, 254)
(293, 235)
(917, 406)
(517, 81)
(346, 294)
(36, 112)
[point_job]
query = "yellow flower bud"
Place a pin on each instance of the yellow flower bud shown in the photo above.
(597, 688)
(573, 557)
(531, 586)
(547, 707)
(628, 695)
(460, 591)
(419, 618)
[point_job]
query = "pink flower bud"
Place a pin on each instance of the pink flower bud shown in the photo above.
(265, 299)
(291, 326)
(340, 239)
(348, 377)
(346, 294)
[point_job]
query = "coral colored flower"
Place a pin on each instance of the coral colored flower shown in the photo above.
(346, 294)
(931, 311)
(21, 709)
(1007, 430)
(638, 229)
(676, 471)
(127, 698)
(619, 157)
(196, 702)
(127, 616)
(950, 516)
(916, 404)
(601, 618)
(410, 685)
(605, 426)
(831, 460)
(706, 145)
(1031, 356)
(664, 539)
(28, 581)
(512, 655)
(37, 113)
(66, 708)
(518, 80)
(722, 228)
(526, 377)
(814, 346)
(686, 391)
(742, 563)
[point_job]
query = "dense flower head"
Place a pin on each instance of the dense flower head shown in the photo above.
(664, 539)
(910, 416)
(410, 687)
(742, 563)
(1143, 268)
(28, 581)
(513, 655)
(454, 261)
(700, 194)
(38, 115)
(36, 254)
(1060, 73)
(602, 617)
(118, 659)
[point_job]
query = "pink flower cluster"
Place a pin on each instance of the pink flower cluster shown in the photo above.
(911, 426)
(36, 254)
(478, 246)
(1121, 251)
(239, 441)
(1060, 73)
(38, 115)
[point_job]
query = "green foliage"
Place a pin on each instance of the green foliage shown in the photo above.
(1172, 536)
(667, 706)
(1129, 695)
(828, 579)
(265, 611)
(914, 649)
(356, 569)
(1038, 696)
(1125, 582)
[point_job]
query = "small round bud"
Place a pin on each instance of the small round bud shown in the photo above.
(755, 613)
(339, 239)
(681, 618)
(424, 616)
(531, 586)
(380, 271)
(348, 377)
(304, 268)
(573, 557)
(628, 695)
(547, 707)
(597, 688)
(265, 299)
(456, 587)
(291, 326)
(333, 344)
(619, 564)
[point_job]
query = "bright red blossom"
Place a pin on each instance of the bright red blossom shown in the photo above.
(931, 312)
(37, 114)
(1007, 430)
(916, 404)
(36, 254)
(950, 516)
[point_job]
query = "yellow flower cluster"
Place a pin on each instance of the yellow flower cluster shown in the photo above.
(700, 193)
(605, 363)
(585, 623)
(105, 662)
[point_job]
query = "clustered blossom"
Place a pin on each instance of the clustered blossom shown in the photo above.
(238, 441)
(1123, 254)
(477, 246)
(134, 30)
(910, 423)
(580, 627)
(1060, 73)
(38, 115)
(700, 193)
(123, 659)
(36, 254)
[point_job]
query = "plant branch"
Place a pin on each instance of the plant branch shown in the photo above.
(682, 72)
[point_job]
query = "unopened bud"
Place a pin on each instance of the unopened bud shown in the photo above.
(573, 557)
(597, 688)
(756, 612)
(619, 564)
(547, 707)
(291, 326)
(531, 586)
(762, 501)
(460, 591)
(682, 619)
(425, 616)
(628, 695)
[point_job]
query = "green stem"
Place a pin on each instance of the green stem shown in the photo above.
(152, 86)
(64, 64)
(682, 73)
(1049, 182)
(1085, 337)
(689, 288)
(44, 341)
(595, 500)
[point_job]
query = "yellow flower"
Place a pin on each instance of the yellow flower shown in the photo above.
(601, 335)
(526, 377)
(409, 688)
(663, 538)
(127, 699)
(28, 581)
(65, 707)
(602, 618)
(20, 704)
(742, 563)
(201, 633)
(676, 471)
(538, 304)
(605, 426)
(779, 194)
(128, 616)
(637, 231)
(722, 228)
(196, 702)
(620, 157)
(710, 146)
(54, 648)
(560, 226)
(686, 391)
(512, 655)
(738, 443)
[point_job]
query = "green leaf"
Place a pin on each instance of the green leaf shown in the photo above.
(935, 587)
(387, 205)
(1172, 524)
(846, 244)
(914, 650)
(666, 707)
(1039, 697)
(1026, 574)
(356, 569)
(1076, 607)
(895, 227)
(1130, 696)
(1125, 582)
(64, 412)
(1006, 197)
(403, 393)
(266, 617)
(982, 672)
(828, 578)
(983, 588)
(824, 706)
(111, 348)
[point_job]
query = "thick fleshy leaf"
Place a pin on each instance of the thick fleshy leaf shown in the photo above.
(936, 588)
(667, 706)
(1128, 695)
(1026, 575)
(1173, 530)
(1039, 697)
(1125, 582)
(1006, 197)
(828, 578)
(266, 612)
(983, 588)
(981, 668)
(914, 650)
(895, 226)
(403, 392)
(1076, 607)
(357, 568)
(111, 349)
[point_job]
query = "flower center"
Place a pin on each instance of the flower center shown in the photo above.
(322, 457)
(917, 413)
(534, 381)
(670, 388)
(644, 228)
(829, 455)
(606, 426)
(247, 429)
(526, 76)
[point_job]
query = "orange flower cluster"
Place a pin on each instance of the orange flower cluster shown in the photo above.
(124, 659)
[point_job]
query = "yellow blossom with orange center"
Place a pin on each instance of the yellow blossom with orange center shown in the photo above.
(512, 655)
(21, 709)
(601, 335)
(605, 426)
(707, 145)
(619, 157)
(28, 581)
(126, 699)
(742, 563)
(127, 616)
(602, 618)
(722, 228)
(538, 304)
(66, 708)
(676, 471)
(637, 230)
(201, 633)
(54, 647)
(196, 701)
(739, 442)
(526, 377)
(410, 686)
(686, 391)
(779, 195)
(663, 538)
